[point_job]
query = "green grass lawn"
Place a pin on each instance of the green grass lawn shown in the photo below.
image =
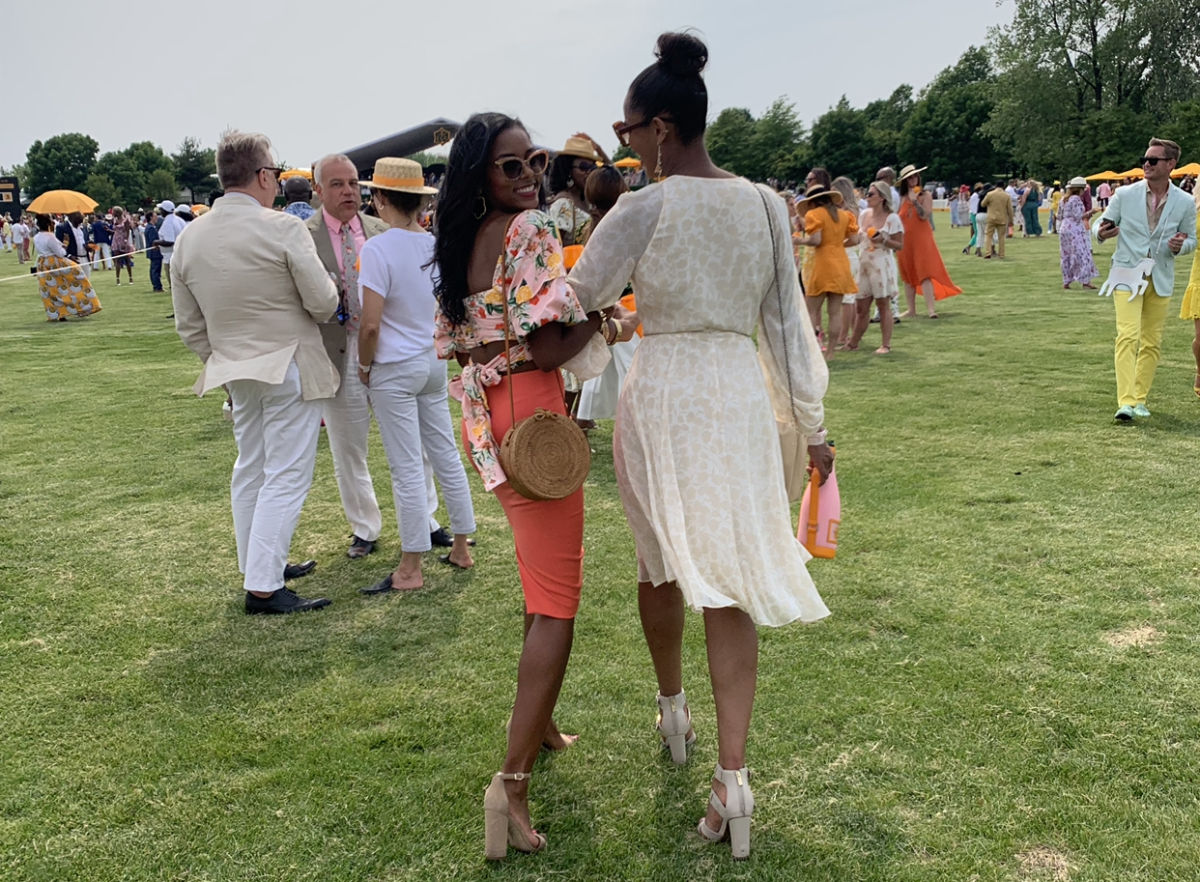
(1008, 687)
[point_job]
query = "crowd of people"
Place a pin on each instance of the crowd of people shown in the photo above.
(354, 314)
(536, 272)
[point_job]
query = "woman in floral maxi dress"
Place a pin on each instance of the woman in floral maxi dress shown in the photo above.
(1074, 241)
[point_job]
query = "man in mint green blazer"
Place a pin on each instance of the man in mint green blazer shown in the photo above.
(1153, 218)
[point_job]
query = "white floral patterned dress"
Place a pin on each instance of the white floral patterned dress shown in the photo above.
(696, 446)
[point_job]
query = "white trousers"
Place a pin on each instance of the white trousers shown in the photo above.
(598, 400)
(347, 423)
(410, 404)
(104, 255)
(276, 432)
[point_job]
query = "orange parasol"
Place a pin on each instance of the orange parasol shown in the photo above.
(62, 202)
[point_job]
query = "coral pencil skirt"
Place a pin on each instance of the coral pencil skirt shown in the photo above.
(547, 534)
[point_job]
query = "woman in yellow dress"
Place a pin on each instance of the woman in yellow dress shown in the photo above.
(829, 231)
(1191, 309)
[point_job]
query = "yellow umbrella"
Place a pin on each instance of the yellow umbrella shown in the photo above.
(62, 202)
(1104, 176)
(1133, 173)
(1192, 168)
(628, 162)
(296, 173)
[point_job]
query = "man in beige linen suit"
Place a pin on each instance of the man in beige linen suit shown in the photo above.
(248, 290)
(337, 228)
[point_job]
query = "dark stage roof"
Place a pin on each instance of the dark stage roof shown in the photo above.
(434, 133)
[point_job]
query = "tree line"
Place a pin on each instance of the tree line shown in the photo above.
(1068, 87)
(141, 174)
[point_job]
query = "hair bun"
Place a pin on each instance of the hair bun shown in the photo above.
(681, 54)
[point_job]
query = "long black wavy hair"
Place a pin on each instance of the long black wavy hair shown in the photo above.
(462, 205)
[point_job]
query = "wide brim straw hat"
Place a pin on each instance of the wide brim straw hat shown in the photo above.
(399, 175)
(580, 147)
(1077, 181)
(816, 191)
(909, 170)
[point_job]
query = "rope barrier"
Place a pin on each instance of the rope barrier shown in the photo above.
(61, 269)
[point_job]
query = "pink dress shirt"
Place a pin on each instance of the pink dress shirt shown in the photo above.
(335, 237)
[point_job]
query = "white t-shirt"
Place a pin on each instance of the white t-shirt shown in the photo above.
(973, 205)
(19, 232)
(171, 227)
(393, 265)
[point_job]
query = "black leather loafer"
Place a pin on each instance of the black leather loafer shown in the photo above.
(381, 587)
(360, 548)
(443, 538)
(298, 571)
(282, 602)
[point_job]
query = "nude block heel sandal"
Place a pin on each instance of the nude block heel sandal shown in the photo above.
(499, 830)
(735, 812)
(674, 725)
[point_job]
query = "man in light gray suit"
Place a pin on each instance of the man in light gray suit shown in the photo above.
(248, 290)
(338, 231)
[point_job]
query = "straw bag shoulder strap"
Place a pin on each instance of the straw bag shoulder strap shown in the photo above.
(787, 367)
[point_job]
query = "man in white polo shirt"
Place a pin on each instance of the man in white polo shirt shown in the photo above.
(172, 226)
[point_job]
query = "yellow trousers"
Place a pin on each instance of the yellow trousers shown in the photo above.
(1139, 342)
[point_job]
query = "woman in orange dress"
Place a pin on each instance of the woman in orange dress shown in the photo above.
(505, 312)
(919, 262)
(829, 231)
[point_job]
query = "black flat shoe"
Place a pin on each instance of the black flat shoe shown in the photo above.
(282, 602)
(360, 548)
(445, 558)
(443, 538)
(383, 586)
(298, 571)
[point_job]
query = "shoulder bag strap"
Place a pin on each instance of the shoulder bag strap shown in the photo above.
(779, 298)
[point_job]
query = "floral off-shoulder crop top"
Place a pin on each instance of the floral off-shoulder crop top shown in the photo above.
(531, 276)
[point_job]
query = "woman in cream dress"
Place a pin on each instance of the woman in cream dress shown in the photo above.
(696, 447)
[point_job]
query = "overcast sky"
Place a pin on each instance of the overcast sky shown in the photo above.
(325, 77)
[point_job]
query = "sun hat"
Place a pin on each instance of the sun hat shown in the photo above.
(401, 175)
(1077, 181)
(167, 205)
(884, 189)
(909, 170)
(580, 147)
(816, 191)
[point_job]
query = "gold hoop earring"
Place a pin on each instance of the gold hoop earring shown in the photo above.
(658, 172)
(482, 210)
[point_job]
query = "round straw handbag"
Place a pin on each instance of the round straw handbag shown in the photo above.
(546, 455)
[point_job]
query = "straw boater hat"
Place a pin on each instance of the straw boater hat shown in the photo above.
(816, 191)
(1077, 181)
(580, 147)
(401, 175)
(909, 170)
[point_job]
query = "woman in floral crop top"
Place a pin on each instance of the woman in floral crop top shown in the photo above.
(496, 249)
